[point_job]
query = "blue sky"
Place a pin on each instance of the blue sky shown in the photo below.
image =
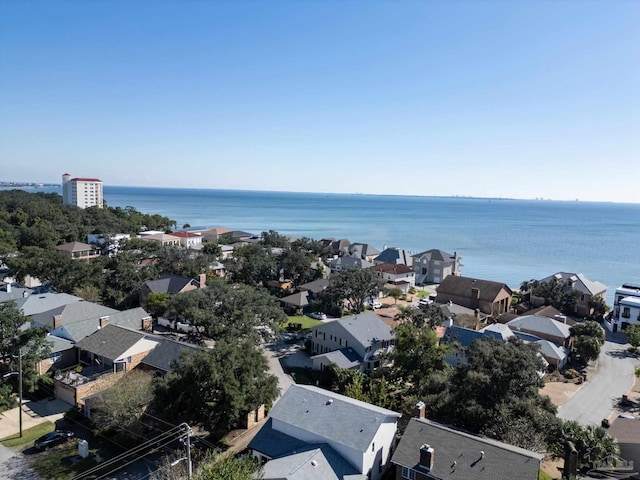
(512, 98)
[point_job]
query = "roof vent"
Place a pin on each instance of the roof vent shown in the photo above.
(330, 401)
(314, 463)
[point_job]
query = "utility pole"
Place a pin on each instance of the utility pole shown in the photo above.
(189, 464)
(20, 388)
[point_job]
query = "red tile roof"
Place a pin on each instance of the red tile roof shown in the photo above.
(185, 234)
(81, 179)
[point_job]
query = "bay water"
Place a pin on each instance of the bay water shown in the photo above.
(498, 239)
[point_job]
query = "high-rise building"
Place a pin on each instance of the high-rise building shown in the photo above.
(82, 192)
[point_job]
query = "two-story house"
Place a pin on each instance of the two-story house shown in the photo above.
(587, 289)
(79, 250)
(351, 342)
(394, 255)
(432, 451)
(189, 239)
(492, 298)
(432, 266)
(316, 434)
(396, 275)
(626, 308)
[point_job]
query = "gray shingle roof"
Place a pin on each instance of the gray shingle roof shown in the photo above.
(59, 344)
(366, 328)
(344, 358)
(168, 284)
(316, 286)
(349, 262)
(435, 254)
(71, 313)
(543, 325)
(273, 443)
(110, 342)
(298, 299)
(580, 282)
(131, 319)
(394, 255)
(331, 416)
(167, 352)
(457, 454)
(38, 303)
(312, 462)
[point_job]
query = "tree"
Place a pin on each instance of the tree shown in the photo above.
(587, 347)
(157, 303)
(416, 355)
(251, 265)
(212, 249)
(296, 266)
(226, 467)
(228, 311)
(355, 287)
(589, 328)
(598, 308)
(425, 315)
(633, 335)
(273, 239)
(554, 292)
(592, 443)
(214, 388)
(395, 293)
(90, 293)
(122, 405)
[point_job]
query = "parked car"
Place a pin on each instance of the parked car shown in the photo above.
(51, 439)
(425, 301)
(375, 305)
(318, 315)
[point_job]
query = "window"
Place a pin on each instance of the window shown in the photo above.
(55, 357)
(424, 271)
(626, 312)
(373, 447)
(408, 473)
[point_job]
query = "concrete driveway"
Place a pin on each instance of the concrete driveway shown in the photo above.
(614, 376)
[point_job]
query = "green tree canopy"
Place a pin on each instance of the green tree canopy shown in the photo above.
(214, 388)
(355, 287)
(633, 335)
(252, 265)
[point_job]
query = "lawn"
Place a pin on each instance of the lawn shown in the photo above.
(28, 435)
(307, 322)
(62, 462)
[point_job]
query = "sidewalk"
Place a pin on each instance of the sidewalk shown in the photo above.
(33, 413)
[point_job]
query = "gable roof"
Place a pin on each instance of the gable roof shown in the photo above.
(131, 318)
(538, 324)
(343, 358)
(462, 286)
(435, 254)
(392, 268)
(72, 312)
(311, 462)
(366, 328)
(500, 329)
(457, 454)
(578, 282)
(38, 303)
(316, 286)
(362, 250)
(466, 336)
(298, 299)
(551, 350)
(111, 341)
(331, 416)
(349, 262)
(168, 284)
(394, 255)
(75, 247)
(167, 352)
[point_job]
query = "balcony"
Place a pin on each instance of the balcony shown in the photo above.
(79, 375)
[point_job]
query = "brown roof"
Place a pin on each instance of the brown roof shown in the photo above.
(395, 268)
(75, 247)
(462, 286)
(185, 234)
(625, 430)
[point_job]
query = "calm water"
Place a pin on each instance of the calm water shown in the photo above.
(503, 240)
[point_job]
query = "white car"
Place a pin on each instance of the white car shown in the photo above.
(375, 305)
(318, 315)
(425, 301)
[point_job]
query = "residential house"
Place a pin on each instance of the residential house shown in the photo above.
(626, 308)
(214, 234)
(351, 342)
(171, 284)
(396, 275)
(79, 250)
(78, 320)
(363, 251)
(315, 434)
(112, 242)
(460, 338)
(63, 355)
(587, 289)
(492, 298)
(296, 302)
(394, 255)
(339, 247)
(543, 327)
(338, 264)
(10, 292)
(626, 432)
(189, 239)
(430, 450)
(315, 288)
(163, 357)
(103, 355)
(37, 303)
(432, 266)
(164, 239)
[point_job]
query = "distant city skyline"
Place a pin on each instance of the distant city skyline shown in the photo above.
(497, 99)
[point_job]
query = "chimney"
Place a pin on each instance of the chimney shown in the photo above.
(420, 410)
(475, 297)
(476, 314)
(426, 456)
(104, 321)
(57, 321)
(25, 294)
(202, 279)
(570, 461)
(8, 285)
(456, 263)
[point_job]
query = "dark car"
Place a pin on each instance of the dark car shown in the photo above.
(52, 438)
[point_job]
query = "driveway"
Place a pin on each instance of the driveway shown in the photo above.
(613, 377)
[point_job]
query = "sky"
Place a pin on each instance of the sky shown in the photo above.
(485, 98)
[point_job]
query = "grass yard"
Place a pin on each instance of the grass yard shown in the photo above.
(28, 435)
(544, 476)
(307, 322)
(62, 462)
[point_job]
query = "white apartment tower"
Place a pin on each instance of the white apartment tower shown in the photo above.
(82, 192)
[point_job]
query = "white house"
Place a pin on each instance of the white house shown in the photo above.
(189, 239)
(316, 434)
(626, 305)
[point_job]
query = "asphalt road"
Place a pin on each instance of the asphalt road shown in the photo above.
(13, 466)
(600, 395)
